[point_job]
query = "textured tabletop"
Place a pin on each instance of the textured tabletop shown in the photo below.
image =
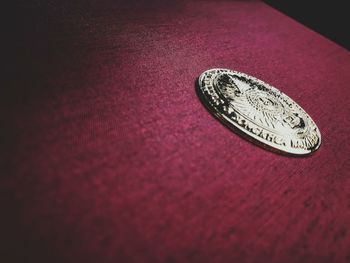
(108, 155)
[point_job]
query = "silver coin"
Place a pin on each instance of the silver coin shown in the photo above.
(258, 111)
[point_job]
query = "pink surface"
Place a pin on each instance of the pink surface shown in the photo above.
(109, 156)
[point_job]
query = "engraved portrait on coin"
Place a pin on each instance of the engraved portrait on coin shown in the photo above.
(259, 111)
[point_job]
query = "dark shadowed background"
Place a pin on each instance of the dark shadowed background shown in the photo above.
(330, 19)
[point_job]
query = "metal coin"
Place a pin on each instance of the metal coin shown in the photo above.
(258, 111)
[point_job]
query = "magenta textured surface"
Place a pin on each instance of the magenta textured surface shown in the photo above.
(109, 156)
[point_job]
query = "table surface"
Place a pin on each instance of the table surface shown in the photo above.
(108, 155)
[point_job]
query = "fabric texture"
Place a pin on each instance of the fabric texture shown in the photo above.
(109, 156)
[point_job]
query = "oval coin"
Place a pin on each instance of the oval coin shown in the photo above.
(260, 112)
